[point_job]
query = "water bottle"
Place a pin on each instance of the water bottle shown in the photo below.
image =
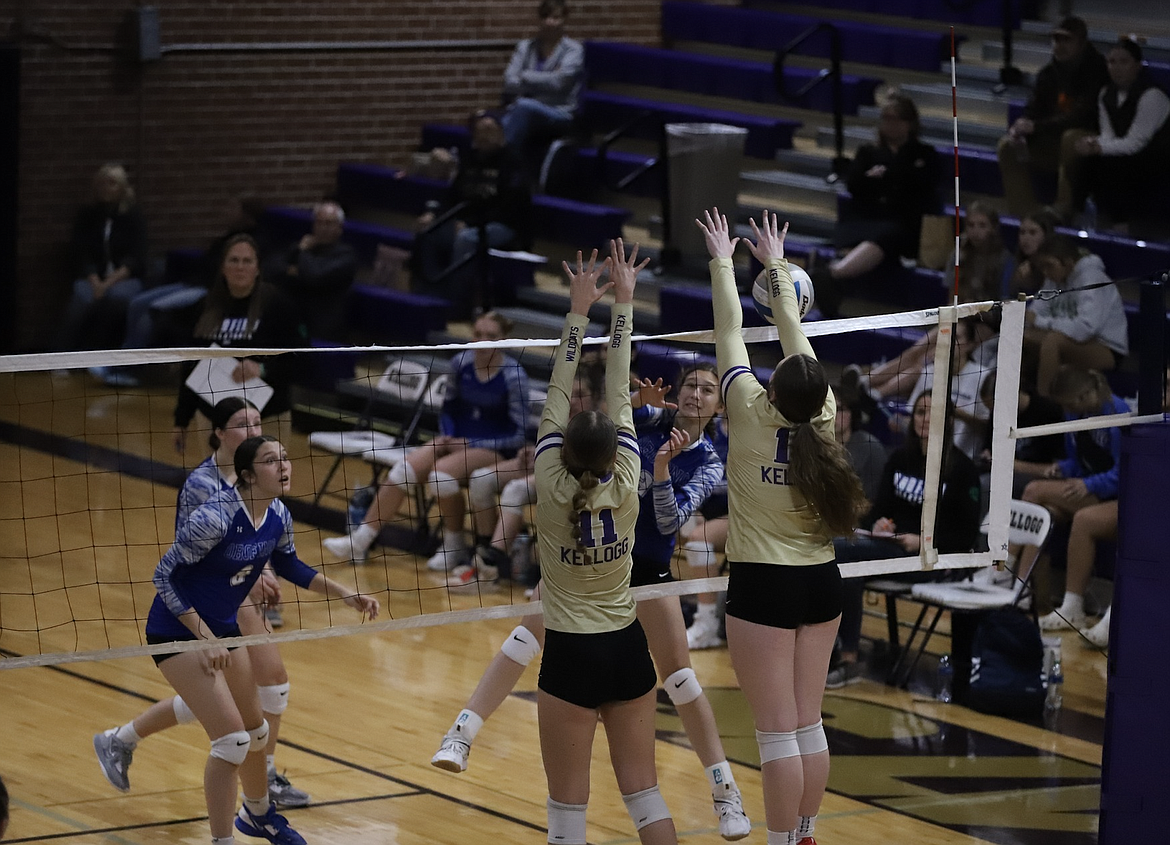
(946, 676)
(522, 560)
(1055, 695)
(1089, 218)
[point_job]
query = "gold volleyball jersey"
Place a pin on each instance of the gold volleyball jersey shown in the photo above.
(769, 521)
(586, 585)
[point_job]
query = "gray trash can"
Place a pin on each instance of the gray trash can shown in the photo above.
(705, 162)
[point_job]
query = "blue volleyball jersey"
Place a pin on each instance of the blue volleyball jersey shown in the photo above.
(204, 482)
(490, 414)
(664, 506)
(217, 557)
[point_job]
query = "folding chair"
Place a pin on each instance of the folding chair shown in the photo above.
(1029, 525)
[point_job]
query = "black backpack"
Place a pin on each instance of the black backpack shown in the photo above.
(1007, 665)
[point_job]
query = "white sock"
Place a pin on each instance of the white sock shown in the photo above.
(363, 537)
(720, 778)
(257, 806)
(271, 759)
(705, 613)
(453, 540)
(223, 840)
(466, 726)
(785, 837)
(807, 826)
(128, 735)
(1073, 605)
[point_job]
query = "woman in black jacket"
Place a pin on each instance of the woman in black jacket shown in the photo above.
(109, 251)
(893, 183)
(241, 311)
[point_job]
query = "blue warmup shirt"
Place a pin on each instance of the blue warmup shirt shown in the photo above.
(490, 414)
(665, 506)
(204, 482)
(216, 558)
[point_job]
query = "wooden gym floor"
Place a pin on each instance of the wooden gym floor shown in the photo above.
(87, 488)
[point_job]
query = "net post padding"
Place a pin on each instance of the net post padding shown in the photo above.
(1007, 400)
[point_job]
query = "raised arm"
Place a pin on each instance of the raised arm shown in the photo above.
(730, 350)
(769, 251)
(623, 273)
(583, 293)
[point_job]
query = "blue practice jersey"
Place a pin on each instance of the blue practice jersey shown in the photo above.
(665, 506)
(490, 414)
(204, 482)
(216, 558)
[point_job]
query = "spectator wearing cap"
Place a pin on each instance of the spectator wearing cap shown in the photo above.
(1133, 143)
(1061, 110)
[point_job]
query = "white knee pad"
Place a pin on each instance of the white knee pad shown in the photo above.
(232, 748)
(259, 737)
(516, 494)
(646, 807)
(683, 687)
(274, 698)
(183, 714)
(441, 484)
(566, 823)
(700, 554)
(811, 739)
(482, 487)
(402, 474)
(776, 745)
(521, 645)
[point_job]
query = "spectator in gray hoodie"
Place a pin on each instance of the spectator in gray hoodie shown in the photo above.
(1077, 317)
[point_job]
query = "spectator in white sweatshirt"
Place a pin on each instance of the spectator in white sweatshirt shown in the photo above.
(1077, 317)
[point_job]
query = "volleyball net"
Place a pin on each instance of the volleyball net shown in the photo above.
(91, 472)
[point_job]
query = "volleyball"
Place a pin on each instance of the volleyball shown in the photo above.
(805, 295)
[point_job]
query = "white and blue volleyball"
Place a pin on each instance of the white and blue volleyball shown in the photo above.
(804, 293)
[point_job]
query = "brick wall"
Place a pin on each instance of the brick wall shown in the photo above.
(197, 127)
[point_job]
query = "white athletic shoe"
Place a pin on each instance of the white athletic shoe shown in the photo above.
(452, 755)
(1062, 620)
(704, 633)
(446, 559)
(343, 548)
(1098, 635)
(733, 821)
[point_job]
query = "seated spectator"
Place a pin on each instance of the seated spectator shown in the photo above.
(1061, 110)
(912, 373)
(489, 192)
(482, 422)
(1033, 454)
(1082, 325)
(1090, 524)
(894, 182)
(541, 84)
(1125, 172)
(867, 454)
(1087, 475)
(892, 527)
(1036, 227)
(497, 525)
(145, 321)
(240, 311)
(109, 248)
(985, 264)
(317, 273)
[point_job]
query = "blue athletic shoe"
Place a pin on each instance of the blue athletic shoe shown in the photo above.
(271, 826)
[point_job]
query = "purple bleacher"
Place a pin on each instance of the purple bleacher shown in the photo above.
(1125, 257)
(323, 371)
(393, 316)
(185, 265)
(758, 29)
(661, 361)
(605, 111)
(733, 79)
(618, 165)
(978, 12)
(568, 221)
(285, 224)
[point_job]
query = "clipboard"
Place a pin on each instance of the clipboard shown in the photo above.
(212, 381)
